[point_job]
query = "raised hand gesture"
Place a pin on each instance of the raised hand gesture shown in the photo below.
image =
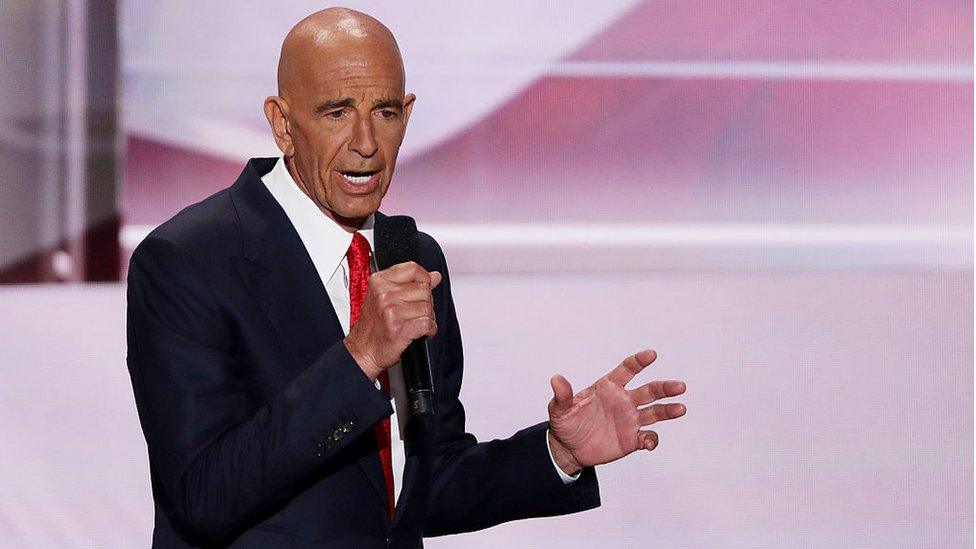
(602, 423)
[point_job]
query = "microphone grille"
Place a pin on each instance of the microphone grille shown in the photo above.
(395, 239)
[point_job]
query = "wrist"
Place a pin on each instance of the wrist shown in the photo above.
(364, 360)
(562, 456)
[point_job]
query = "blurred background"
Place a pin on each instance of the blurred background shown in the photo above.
(777, 196)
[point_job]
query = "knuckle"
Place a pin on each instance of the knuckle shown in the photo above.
(408, 332)
(419, 271)
(418, 327)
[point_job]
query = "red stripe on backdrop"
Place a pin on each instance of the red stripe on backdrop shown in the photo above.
(162, 179)
(101, 261)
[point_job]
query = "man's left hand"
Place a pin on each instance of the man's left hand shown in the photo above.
(603, 422)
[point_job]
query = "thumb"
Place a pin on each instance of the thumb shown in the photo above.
(562, 392)
(435, 279)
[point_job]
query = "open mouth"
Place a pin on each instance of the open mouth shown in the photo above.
(359, 178)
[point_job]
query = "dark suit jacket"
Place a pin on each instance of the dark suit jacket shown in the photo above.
(259, 422)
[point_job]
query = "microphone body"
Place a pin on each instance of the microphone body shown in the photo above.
(396, 241)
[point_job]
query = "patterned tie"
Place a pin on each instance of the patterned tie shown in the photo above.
(358, 257)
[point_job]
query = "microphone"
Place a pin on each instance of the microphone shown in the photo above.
(395, 239)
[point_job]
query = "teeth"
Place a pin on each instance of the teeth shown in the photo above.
(358, 179)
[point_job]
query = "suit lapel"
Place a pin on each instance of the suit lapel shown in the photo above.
(278, 269)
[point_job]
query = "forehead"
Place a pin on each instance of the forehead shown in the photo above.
(354, 72)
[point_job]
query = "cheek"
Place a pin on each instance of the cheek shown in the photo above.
(390, 139)
(323, 141)
(322, 151)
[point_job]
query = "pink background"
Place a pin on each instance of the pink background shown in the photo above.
(777, 196)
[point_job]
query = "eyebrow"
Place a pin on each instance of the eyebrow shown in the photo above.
(350, 102)
(386, 103)
(334, 104)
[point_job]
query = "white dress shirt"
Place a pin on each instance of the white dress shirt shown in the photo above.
(327, 243)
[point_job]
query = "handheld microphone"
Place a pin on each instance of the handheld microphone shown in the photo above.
(395, 239)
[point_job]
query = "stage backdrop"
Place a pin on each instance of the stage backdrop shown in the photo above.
(777, 196)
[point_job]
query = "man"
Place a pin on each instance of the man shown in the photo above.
(263, 347)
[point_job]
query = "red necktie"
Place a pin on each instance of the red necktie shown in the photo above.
(358, 257)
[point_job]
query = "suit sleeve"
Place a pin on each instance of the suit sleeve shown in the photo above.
(478, 485)
(218, 460)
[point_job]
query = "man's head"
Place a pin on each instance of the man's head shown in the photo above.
(340, 113)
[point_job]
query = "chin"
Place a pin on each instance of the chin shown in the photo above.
(359, 209)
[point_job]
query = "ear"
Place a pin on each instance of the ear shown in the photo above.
(276, 111)
(407, 108)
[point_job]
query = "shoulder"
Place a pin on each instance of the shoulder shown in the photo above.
(179, 270)
(430, 252)
(428, 244)
(209, 228)
(212, 229)
(176, 278)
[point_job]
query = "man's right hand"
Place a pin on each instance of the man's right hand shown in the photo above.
(398, 309)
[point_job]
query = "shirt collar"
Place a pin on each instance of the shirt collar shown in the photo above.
(324, 239)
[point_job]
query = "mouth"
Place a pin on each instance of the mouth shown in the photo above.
(360, 182)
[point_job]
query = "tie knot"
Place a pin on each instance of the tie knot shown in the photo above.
(358, 254)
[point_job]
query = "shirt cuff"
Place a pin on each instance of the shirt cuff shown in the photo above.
(567, 479)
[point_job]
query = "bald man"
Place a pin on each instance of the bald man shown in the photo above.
(263, 345)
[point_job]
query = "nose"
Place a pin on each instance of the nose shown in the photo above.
(363, 139)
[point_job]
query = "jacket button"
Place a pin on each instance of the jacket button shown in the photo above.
(338, 433)
(347, 428)
(387, 541)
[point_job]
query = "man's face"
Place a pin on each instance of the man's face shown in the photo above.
(346, 122)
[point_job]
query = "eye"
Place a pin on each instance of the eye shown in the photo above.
(336, 114)
(388, 113)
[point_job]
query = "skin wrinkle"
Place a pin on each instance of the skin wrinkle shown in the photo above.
(340, 108)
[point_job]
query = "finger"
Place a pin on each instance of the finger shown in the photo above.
(659, 412)
(405, 312)
(406, 272)
(647, 440)
(562, 392)
(435, 279)
(419, 327)
(410, 291)
(656, 390)
(631, 366)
